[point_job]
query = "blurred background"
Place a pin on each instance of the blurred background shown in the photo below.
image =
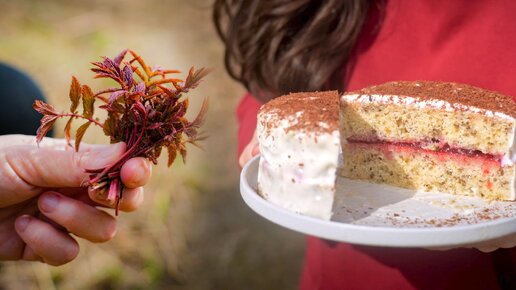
(194, 231)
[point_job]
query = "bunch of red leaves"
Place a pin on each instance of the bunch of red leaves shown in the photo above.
(146, 110)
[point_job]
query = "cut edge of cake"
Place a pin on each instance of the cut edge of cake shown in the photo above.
(463, 135)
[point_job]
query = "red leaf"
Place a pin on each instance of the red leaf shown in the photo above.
(67, 130)
(201, 116)
(79, 134)
(140, 88)
(141, 62)
(172, 94)
(87, 101)
(110, 126)
(128, 76)
(44, 108)
(194, 77)
(110, 90)
(115, 95)
(118, 59)
(75, 94)
(46, 124)
(182, 150)
(172, 153)
(110, 64)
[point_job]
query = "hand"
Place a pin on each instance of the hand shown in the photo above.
(252, 149)
(487, 246)
(492, 245)
(43, 198)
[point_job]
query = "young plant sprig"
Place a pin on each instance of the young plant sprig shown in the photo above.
(146, 110)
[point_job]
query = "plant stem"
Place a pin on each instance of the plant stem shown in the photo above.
(82, 117)
(122, 159)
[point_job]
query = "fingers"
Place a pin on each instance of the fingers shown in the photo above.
(488, 246)
(255, 150)
(132, 199)
(487, 249)
(47, 142)
(29, 255)
(252, 149)
(52, 168)
(77, 217)
(492, 245)
(25, 168)
(249, 152)
(44, 241)
(18, 139)
(136, 172)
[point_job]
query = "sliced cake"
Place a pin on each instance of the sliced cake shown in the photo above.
(299, 143)
(431, 136)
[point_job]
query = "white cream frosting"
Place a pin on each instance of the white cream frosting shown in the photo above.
(297, 168)
(418, 103)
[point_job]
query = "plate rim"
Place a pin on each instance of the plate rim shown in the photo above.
(428, 237)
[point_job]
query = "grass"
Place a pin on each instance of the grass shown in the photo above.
(193, 231)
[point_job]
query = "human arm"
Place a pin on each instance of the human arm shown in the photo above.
(44, 199)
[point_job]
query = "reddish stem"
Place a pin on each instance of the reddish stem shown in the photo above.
(113, 191)
(82, 117)
(126, 154)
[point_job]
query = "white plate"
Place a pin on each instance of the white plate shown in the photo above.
(377, 215)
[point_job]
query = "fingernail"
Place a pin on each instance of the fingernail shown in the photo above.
(256, 150)
(100, 157)
(109, 151)
(143, 168)
(22, 222)
(49, 202)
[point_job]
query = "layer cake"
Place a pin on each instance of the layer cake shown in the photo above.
(431, 136)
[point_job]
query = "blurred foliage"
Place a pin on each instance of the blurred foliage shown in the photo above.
(193, 231)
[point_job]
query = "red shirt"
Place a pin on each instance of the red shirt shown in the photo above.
(466, 41)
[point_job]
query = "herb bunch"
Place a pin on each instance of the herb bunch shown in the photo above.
(146, 110)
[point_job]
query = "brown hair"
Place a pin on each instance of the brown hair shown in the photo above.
(274, 47)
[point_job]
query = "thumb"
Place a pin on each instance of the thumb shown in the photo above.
(99, 156)
(256, 150)
(46, 167)
(251, 149)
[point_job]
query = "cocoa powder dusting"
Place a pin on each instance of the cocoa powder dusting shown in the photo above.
(453, 93)
(313, 111)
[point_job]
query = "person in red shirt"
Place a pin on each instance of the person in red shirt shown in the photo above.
(277, 47)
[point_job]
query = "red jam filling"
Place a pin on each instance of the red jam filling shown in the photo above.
(442, 151)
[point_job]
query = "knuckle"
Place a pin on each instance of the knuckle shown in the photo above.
(79, 158)
(15, 170)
